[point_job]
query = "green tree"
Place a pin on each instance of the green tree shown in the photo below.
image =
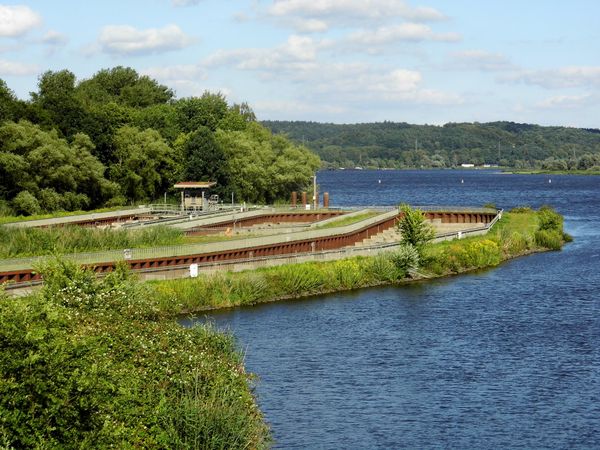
(124, 86)
(414, 228)
(34, 160)
(204, 159)
(56, 96)
(8, 102)
(205, 111)
(145, 165)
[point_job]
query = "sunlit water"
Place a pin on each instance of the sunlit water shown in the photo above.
(505, 358)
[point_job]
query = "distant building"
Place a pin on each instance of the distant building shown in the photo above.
(193, 194)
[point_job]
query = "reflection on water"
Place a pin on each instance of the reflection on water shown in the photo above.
(508, 357)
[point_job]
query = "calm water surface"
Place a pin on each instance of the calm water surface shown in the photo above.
(505, 358)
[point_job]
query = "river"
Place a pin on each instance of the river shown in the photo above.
(503, 358)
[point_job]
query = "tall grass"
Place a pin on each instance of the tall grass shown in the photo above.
(23, 242)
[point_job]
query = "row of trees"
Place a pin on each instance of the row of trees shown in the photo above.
(120, 137)
(401, 145)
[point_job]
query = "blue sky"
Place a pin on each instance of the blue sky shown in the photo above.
(343, 61)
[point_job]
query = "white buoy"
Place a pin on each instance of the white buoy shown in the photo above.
(379, 181)
(549, 180)
(462, 181)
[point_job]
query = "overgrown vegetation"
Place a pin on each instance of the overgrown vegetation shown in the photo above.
(402, 145)
(118, 138)
(21, 242)
(91, 363)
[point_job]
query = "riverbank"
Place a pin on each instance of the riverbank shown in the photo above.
(100, 361)
(517, 234)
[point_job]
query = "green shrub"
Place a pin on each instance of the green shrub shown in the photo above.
(549, 219)
(382, 269)
(405, 258)
(550, 239)
(51, 200)
(26, 204)
(88, 363)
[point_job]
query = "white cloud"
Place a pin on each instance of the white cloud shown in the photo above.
(16, 20)
(566, 101)
(297, 53)
(185, 2)
(564, 77)
(309, 16)
(404, 32)
(178, 72)
(354, 9)
(54, 38)
(12, 68)
(127, 40)
(395, 86)
(294, 109)
(310, 25)
(480, 60)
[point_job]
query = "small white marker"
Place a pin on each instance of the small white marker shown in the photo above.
(379, 181)
(549, 180)
(462, 181)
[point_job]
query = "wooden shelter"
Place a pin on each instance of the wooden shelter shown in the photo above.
(193, 194)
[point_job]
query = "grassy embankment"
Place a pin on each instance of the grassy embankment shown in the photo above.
(519, 232)
(93, 363)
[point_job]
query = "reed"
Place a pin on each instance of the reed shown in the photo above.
(24, 242)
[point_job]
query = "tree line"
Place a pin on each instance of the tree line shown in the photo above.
(402, 145)
(120, 137)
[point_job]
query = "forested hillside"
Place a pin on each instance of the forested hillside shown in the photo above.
(402, 145)
(119, 138)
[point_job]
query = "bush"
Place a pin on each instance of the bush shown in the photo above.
(406, 258)
(88, 363)
(381, 268)
(26, 204)
(550, 239)
(51, 200)
(549, 219)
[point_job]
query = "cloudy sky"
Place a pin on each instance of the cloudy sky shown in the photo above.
(343, 61)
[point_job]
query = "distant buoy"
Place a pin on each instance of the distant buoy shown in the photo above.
(379, 181)
(462, 181)
(549, 180)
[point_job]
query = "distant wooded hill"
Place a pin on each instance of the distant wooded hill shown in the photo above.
(400, 145)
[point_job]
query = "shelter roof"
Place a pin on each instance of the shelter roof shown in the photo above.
(194, 184)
